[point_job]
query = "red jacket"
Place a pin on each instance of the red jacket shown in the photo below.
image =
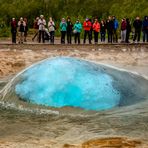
(96, 27)
(87, 25)
(123, 25)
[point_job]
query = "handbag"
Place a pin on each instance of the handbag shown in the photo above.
(74, 31)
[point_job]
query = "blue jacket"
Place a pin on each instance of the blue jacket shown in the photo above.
(145, 24)
(78, 27)
(116, 24)
(63, 26)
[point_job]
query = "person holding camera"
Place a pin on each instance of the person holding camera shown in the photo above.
(21, 30)
(63, 28)
(41, 24)
(51, 28)
(87, 25)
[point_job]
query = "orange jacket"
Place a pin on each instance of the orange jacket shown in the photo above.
(87, 25)
(96, 26)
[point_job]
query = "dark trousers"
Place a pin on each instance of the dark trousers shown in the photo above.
(127, 36)
(52, 37)
(110, 37)
(145, 35)
(137, 34)
(103, 36)
(77, 37)
(13, 37)
(91, 32)
(87, 33)
(115, 36)
(96, 36)
(41, 35)
(36, 34)
(63, 34)
(69, 34)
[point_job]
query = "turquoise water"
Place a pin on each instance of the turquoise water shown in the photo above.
(62, 81)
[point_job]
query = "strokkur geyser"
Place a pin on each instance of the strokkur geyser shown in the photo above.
(63, 81)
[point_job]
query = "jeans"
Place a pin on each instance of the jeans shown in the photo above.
(103, 36)
(110, 37)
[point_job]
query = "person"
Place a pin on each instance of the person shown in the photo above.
(128, 30)
(26, 29)
(36, 28)
(110, 27)
(41, 24)
(96, 28)
(115, 30)
(51, 28)
(13, 30)
(87, 28)
(137, 26)
(103, 30)
(123, 30)
(63, 29)
(21, 29)
(91, 29)
(77, 31)
(69, 30)
(145, 29)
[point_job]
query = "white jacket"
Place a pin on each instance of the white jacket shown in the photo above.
(51, 26)
(42, 24)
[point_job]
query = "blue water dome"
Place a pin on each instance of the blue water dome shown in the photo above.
(64, 81)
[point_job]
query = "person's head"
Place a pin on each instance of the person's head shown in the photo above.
(137, 18)
(37, 18)
(77, 21)
(127, 20)
(50, 19)
(68, 20)
(123, 19)
(25, 19)
(146, 18)
(63, 19)
(21, 19)
(87, 19)
(13, 19)
(41, 16)
(102, 21)
(109, 18)
(96, 20)
(114, 17)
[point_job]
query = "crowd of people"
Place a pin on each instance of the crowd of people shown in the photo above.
(105, 28)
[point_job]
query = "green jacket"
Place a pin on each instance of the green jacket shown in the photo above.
(78, 27)
(63, 26)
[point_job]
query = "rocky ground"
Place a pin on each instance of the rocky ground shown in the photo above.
(133, 57)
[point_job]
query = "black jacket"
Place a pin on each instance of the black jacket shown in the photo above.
(110, 26)
(137, 25)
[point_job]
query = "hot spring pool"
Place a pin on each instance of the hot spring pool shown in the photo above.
(64, 81)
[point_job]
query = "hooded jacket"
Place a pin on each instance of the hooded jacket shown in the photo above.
(145, 24)
(78, 27)
(87, 25)
(96, 27)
